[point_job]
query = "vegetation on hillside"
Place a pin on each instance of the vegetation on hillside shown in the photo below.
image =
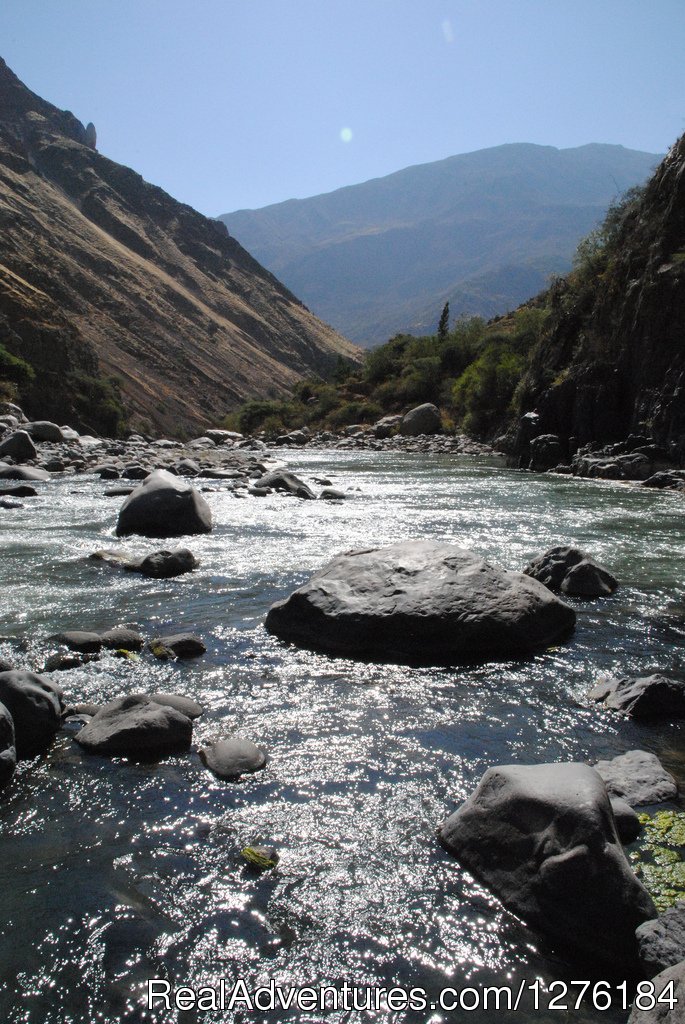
(482, 375)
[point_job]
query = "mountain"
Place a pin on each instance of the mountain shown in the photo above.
(103, 274)
(483, 230)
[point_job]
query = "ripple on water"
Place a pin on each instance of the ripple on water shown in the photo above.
(113, 872)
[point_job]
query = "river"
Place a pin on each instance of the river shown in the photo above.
(113, 873)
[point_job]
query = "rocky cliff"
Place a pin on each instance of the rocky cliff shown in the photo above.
(612, 362)
(103, 274)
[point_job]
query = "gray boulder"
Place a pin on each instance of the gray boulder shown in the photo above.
(545, 452)
(424, 419)
(231, 758)
(642, 697)
(164, 506)
(8, 749)
(90, 642)
(44, 430)
(280, 480)
(543, 839)
(177, 645)
(420, 602)
(157, 565)
(661, 943)
(23, 473)
(35, 704)
(387, 426)
(571, 571)
(18, 446)
(136, 727)
(332, 494)
(667, 1005)
(638, 777)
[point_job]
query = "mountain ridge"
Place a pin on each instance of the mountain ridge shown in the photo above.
(155, 293)
(389, 252)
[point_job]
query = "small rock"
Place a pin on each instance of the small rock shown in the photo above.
(628, 824)
(638, 777)
(643, 697)
(182, 645)
(661, 943)
(231, 758)
(261, 858)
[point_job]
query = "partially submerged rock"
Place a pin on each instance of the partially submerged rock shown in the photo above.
(164, 506)
(628, 824)
(421, 602)
(91, 642)
(280, 480)
(572, 572)
(233, 757)
(661, 943)
(642, 697)
(177, 645)
(543, 839)
(23, 473)
(35, 704)
(137, 727)
(638, 777)
(157, 565)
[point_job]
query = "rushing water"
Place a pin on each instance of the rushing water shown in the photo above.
(112, 873)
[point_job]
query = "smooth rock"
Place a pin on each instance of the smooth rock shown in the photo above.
(19, 491)
(424, 419)
(136, 727)
(182, 645)
(164, 506)
(543, 839)
(421, 602)
(18, 446)
(332, 494)
(190, 708)
(545, 452)
(638, 777)
(661, 943)
(79, 640)
(44, 430)
(587, 579)
(23, 473)
(8, 748)
(280, 480)
(233, 757)
(122, 638)
(35, 704)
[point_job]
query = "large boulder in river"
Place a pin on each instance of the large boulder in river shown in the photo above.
(424, 419)
(164, 506)
(18, 446)
(35, 704)
(44, 430)
(543, 839)
(421, 602)
(8, 749)
(23, 473)
(137, 727)
(545, 452)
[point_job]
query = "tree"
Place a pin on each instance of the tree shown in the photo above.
(444, 325)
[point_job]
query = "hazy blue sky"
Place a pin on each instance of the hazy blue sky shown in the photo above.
(240, 103)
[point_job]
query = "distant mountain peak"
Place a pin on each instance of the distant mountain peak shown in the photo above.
(482, 230)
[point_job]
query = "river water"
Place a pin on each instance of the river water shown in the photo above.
(112, 873)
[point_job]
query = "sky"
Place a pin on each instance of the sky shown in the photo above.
(231, 104)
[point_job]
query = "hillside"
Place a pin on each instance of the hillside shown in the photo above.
(612, 358)
(103, 274)
(482, 230)
(597, 356)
